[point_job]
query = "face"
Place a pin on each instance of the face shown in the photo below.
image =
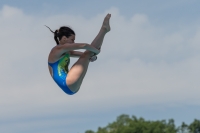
(70, 39)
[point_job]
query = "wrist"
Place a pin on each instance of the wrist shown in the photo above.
(86, 45)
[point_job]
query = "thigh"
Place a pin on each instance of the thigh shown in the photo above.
(63, 85)
(77, 72)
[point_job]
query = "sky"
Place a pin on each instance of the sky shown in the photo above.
(148, 66)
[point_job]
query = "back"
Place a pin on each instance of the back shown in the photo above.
(60, 67)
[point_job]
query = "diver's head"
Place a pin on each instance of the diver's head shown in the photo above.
(64, 34)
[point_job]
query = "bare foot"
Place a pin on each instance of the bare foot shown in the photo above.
(106, 24)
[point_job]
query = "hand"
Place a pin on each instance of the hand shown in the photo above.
(92, 49)
(99, 50)
(93, 58)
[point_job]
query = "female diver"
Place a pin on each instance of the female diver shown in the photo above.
(59, 57)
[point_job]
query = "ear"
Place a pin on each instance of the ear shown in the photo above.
(64, 38)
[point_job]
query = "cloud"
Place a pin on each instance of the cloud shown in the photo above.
(140, 64)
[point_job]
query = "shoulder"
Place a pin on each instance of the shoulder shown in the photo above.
(60, 46)
(53, 54)
(56, 48)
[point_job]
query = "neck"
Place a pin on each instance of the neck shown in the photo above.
(62, 42)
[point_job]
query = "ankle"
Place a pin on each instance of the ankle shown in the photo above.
(104, 29)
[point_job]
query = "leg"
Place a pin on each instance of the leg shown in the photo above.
(97, 42)
(77, 72)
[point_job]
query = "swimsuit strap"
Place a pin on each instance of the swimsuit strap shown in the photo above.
(52, 64)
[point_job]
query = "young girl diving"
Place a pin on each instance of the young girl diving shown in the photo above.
(59, 57)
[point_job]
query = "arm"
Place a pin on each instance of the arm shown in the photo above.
(75, 53)
(78, 54)
(59, 50)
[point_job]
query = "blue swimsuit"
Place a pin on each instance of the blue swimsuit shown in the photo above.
(60, 70)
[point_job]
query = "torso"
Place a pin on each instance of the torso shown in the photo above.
(64, 60)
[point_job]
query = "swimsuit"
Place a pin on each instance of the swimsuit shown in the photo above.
(60, 70)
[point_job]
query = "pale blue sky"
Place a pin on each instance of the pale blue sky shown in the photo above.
(170, 11)
(149, 66)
